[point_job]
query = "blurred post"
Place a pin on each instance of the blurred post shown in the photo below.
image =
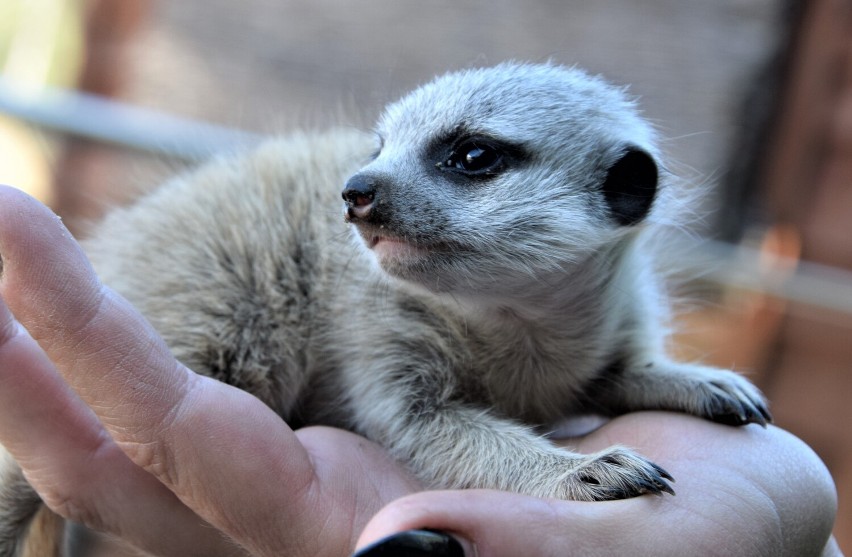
(807, 187)
(109, 29)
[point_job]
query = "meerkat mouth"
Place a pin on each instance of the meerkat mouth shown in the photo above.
(397, 249)
(381, 239)
(376, 240)
(393, 247)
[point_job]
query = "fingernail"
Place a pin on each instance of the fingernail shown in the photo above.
(414, 543)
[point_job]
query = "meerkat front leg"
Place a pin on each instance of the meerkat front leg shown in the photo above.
(659, 384)
(451, 445)
(466, 448)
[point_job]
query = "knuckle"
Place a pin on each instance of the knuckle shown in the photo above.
(76, 509)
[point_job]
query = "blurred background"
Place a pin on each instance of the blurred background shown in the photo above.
(102, 99)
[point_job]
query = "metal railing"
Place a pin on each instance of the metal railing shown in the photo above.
(101, 119)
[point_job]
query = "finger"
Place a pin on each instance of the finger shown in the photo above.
(484, 523)
(500, 524)
(75, 466)
(166, 419)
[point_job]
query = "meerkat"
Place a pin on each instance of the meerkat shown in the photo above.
(450, 288)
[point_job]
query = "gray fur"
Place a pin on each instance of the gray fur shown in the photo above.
(512, 300)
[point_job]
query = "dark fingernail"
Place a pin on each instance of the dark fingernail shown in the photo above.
(414, 543)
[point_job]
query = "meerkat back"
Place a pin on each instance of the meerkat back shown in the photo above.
(231, 262)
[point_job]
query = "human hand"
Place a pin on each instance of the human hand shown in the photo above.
(114, 433)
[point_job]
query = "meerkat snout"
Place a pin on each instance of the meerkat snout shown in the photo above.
(359, 193)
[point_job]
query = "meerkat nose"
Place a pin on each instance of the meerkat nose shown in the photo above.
(359, 193)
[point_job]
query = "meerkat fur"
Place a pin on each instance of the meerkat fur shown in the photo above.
(483, 277)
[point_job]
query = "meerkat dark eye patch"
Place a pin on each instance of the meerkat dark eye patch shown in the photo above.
(631, 186)
(478, 157)
(474, 157)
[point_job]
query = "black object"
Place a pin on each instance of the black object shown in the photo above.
(414, 543)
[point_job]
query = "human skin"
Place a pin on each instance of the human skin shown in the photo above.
(116, 434)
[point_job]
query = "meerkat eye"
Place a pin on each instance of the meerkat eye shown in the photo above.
(475, 158)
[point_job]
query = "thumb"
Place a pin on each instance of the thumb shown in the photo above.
(485, 523)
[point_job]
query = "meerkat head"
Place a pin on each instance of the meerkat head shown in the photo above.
(490, 179)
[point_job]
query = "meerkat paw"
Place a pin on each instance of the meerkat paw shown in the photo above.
(717, 395)
(616, 473)
(728, 398)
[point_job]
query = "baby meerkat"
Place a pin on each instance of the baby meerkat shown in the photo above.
(493, 280)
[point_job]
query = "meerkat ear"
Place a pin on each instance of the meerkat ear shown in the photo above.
(630, 186)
